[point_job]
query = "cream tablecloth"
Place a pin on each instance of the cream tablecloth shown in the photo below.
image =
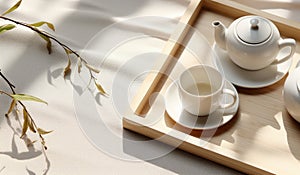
(109, 33)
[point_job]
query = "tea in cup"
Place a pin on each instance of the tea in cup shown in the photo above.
(201, 89)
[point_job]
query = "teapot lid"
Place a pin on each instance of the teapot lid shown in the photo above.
(253, 29)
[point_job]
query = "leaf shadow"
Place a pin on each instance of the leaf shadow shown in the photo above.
(2, 169)
(77, 88)
(98, 99)
(48, 164)
(15, 154)
(30, 154)
(53, 75)
(58, 73)
(30, 172)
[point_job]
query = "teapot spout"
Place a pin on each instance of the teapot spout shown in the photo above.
(220, 34)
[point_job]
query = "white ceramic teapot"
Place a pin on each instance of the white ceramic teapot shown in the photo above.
(291, 93)
(252, 42)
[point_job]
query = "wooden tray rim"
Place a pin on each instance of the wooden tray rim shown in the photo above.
(230, 9)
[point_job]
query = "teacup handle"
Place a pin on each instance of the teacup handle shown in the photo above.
(282, 43)
(231, 93)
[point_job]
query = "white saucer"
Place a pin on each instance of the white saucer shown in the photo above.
(214, 120)
(250, 79)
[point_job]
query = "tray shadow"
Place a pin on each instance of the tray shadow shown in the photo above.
(217, 134)
(177, 161)
(174, 159)
(291, 134)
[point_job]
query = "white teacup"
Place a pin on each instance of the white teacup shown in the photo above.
(201, 88)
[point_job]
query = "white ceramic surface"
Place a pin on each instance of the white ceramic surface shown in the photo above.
(252, 42)
(186, 119)
(291, 93)
(202, 104)
(247, 78)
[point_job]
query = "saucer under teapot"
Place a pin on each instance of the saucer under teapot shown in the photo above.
(252, 42)
(250, 78)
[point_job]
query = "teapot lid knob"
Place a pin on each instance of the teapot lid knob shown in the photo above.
(253, 29)
(254, 23)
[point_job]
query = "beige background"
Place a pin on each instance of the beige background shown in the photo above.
(25, 61)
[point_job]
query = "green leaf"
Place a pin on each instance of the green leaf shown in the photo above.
(49, 44)
(38, 24)
(25, 123)
(12, 8)
(24, 97)
(43, 132)
(100, 88)
(6, 27)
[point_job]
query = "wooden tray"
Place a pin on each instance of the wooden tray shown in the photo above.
(261, 139)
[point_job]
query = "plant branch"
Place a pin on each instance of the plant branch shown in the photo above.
(23, 106)
(41, 33)
(11, 86)
(67, 49)
(18, 98)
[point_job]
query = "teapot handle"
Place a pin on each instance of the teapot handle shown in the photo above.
(282, 43)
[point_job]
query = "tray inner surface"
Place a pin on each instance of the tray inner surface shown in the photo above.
(262, 138)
